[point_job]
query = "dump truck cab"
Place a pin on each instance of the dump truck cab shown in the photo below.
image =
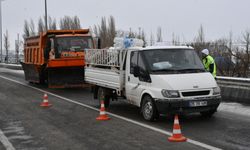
(56, 57)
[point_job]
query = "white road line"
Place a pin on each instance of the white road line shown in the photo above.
(5, 141)
(197, 143)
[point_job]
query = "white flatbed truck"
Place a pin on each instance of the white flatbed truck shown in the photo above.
(158, 79)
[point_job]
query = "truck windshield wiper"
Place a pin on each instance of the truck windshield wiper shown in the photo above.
(193, 70)
(166, 70)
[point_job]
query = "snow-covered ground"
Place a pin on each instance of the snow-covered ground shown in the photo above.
(11, 71)
(235, 108)
(10, 64)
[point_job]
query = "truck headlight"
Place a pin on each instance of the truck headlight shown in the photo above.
(170, 93)
(216, 91)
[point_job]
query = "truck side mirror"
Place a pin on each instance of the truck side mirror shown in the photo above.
(136, 71)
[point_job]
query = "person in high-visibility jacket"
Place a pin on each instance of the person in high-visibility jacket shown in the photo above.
(208, 62)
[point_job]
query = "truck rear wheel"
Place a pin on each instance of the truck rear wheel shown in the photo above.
(148, 108)
(102, 91)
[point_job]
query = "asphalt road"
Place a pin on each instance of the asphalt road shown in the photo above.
(70, 123)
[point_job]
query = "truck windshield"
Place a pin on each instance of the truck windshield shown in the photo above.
(173, 61)
(76, 43)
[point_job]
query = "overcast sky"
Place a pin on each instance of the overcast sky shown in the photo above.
(182, 17)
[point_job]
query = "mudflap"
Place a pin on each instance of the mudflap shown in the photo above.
(31, 72)
(66, 77)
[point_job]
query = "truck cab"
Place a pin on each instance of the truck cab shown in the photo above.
(163, 80)
(68, 46)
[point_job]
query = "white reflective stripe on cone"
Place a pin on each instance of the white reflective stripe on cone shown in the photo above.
(176, 121)
(102, 113)
(177, 132)
(102, 105)
(45, 100)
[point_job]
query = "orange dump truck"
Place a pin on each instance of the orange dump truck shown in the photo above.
(56, 57)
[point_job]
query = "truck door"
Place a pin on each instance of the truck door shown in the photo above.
(134, 86)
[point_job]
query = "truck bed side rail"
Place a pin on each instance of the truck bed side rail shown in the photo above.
(104, 57)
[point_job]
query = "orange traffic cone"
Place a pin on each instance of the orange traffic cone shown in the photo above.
(45, 102)
(102, 115)
(177, 136)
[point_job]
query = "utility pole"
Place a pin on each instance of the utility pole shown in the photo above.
(1, 30)
(46, 17)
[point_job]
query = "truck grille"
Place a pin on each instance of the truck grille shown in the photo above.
(195, 93)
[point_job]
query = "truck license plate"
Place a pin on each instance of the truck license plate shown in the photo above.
(197, 103)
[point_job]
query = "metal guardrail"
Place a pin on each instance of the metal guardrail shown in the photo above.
(232, 82)
(234, 89)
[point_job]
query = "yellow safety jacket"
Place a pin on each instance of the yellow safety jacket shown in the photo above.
(209, 64)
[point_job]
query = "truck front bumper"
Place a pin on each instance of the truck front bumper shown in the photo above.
(173, 106)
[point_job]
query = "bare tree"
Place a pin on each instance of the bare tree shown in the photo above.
(132, 34)
(70, 23)
(139, 33)
(199, 41)
(175, 39)
(159, 35)
(111, 30)
(53, 25)
(201, 36)
(26, 29)
(41, 25)
(233, 57)
(151, 39)
(95, 30)
(65, 23)
(246, 41)
(106, 31)
(17, 47)
(32, 28)
(6, 45)
(103, 31)
(75, 23)
(143, 37)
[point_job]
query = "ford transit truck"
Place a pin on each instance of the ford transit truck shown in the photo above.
(157, 79)
(56, 57)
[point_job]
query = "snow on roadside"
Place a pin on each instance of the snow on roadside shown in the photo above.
(235, 108)
(11, 71)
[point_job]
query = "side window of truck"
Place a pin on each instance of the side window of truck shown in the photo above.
(141, 63)
(133, 61)
(144, 75)
(47, 49)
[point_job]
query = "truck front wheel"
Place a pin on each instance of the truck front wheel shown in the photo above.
(148, 109)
